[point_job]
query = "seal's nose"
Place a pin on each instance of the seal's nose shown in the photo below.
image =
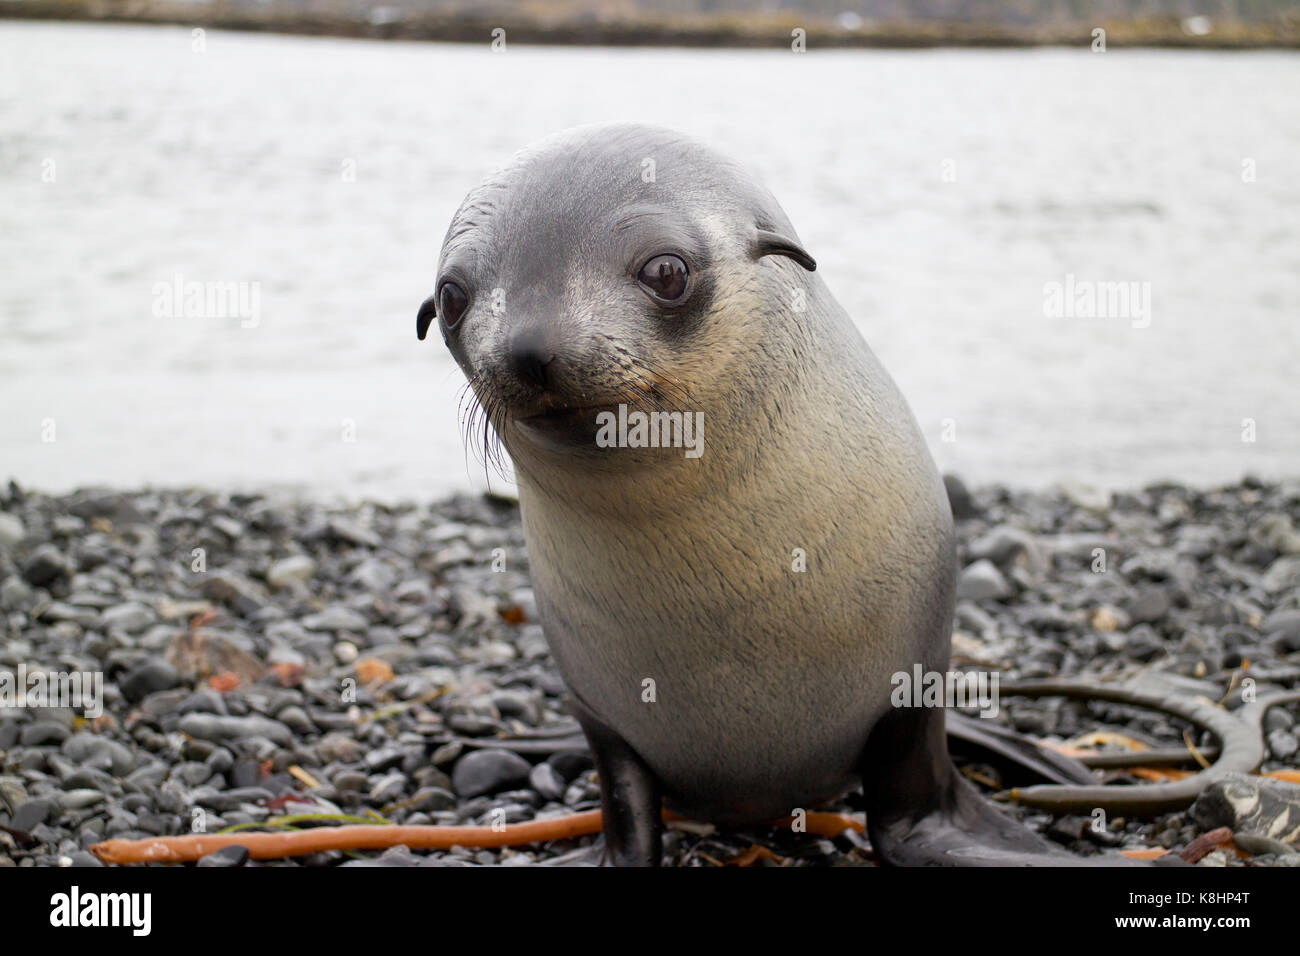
(529, 357)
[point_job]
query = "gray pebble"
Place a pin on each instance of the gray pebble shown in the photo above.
(80, 799)
(1283, 744)
(131, 618)
(388, 788)
(982, 581)
(216, 728)
(296, 719)
(297, 568)
(42, 733)
(336, 618)
(349, 781)
(1150, 605)
(44, 566)
(489, 771)
(225, 857)
(192, 774)
(233, 799)
(32, 813)
(433, 799)
(547, 781)
(99, 753)
(150, 677)
(12, 531)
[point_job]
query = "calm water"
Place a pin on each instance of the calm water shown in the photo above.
(229, 165)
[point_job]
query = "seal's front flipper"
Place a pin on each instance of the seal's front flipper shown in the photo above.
(921, 812)
(631, 801)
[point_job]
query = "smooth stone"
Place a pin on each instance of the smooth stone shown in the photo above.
(373, 575)
(131, 618)
(473, 725)
(12, 531)
(433, 799)
(219, 729)
(1150, 605)
(81, 616)
(959, 498)
(192, 773)
(339, 748)
(1142, 643)
(353, 533)
(1282, 575)
(204, 700)
(982, 581)
(220, 760)
(80, 799)
(99, 753)
(44, 566)
(385, 758)
(227, 856)
(42, 733)
(14, 593)
(1284, 626)
(349, 781)
(89, 778)
(336, 618)
(547, 781)
(431, 776)
(233, 590)
(149, 678)
(295, 718)
(489, 771)
(298, 568)
(570, 764)
(1005, 544)
(388, 788)
(32, 813)
(1283, 744)
(233, 799)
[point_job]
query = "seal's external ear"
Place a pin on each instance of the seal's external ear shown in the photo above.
(775, 244)
(424, 318)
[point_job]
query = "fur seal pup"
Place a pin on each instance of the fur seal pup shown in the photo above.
(616, 270)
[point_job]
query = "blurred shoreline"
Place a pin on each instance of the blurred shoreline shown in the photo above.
(645, 28)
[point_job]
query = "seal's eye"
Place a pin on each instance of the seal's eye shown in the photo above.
(664, 276)
(452, 303)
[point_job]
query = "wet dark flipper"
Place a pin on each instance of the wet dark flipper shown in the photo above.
(631, 799)
(921, 812)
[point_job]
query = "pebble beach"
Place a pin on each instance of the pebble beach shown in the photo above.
(267, 656)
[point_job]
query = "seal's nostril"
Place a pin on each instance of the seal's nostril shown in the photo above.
(530, 364)
(529, 355)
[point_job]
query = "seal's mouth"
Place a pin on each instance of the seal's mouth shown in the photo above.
(564, 415)
(567, 425)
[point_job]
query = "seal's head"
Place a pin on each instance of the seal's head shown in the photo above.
(609, 265)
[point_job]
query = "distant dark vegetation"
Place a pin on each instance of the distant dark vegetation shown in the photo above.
(767, 23)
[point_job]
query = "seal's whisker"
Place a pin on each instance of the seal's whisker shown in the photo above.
(491, 417)
(667, 384)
